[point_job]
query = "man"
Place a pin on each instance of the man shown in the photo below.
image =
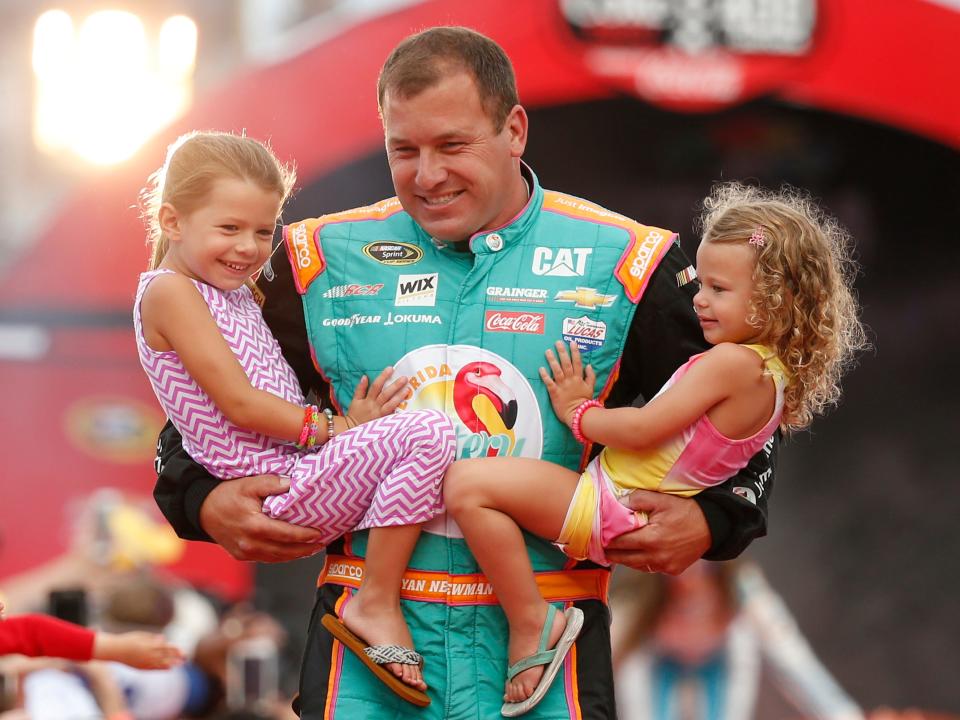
(461, 282)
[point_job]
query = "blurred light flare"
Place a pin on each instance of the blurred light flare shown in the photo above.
(100, 91)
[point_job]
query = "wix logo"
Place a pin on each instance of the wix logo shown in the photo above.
(417, 290)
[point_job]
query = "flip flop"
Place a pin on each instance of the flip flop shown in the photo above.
(375, 656)
(552, 658)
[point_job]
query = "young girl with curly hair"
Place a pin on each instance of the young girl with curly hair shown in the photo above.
(775, 301)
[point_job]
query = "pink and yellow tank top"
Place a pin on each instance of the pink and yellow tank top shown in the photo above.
(700, 456)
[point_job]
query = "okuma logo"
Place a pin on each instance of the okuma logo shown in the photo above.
(417, 290)
(560, 262)
(494, 409)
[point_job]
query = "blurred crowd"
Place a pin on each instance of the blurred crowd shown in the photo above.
(698, 646)
(112, 580)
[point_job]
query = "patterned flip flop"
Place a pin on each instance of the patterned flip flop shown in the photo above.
(374, 657)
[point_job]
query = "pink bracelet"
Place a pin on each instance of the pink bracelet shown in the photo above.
(578, 417)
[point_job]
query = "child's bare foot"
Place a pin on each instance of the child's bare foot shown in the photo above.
(381, 623)
(524, 641)
(143, 650)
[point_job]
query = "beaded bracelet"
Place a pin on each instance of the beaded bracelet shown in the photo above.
(310, 435)
(329, 413)
(578, 418)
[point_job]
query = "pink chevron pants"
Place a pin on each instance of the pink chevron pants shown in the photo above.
(381, 473)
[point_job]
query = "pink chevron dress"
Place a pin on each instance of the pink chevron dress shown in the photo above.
(382, 473)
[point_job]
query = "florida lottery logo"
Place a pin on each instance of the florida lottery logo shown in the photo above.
(493, 408)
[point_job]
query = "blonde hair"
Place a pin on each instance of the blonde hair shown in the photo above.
(194, 162)
(803, 302)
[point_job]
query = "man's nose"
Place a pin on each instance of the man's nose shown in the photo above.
(430, 170)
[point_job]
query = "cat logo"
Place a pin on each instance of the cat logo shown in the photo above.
(560, 262)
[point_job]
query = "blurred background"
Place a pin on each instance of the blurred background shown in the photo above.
(636, 104)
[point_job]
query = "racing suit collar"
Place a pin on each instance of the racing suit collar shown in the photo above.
(493, 241)
(496, 240)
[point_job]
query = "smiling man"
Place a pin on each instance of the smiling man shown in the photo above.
(462, 282)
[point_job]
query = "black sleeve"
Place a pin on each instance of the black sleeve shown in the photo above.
(663, 336)
(182, 483)
(283, 311)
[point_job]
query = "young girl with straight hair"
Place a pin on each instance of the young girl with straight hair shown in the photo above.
(218, 372)
(775, 301)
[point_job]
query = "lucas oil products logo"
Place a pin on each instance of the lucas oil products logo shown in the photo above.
(417, 290)
(560, 262)
(393, 253)
(588, 334)
(493, 408)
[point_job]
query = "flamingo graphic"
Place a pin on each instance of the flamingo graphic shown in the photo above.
(484, 402)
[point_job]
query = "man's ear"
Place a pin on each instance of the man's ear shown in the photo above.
(169, 220)
(516, 126)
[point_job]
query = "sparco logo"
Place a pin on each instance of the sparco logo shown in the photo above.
(644, 251)
(393, 253)
(300, 242)
(515, 322)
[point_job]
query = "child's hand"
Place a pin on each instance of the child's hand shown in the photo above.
(570, 385)
(147, 651)
(378, 400)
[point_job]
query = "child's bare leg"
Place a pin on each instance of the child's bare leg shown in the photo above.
(489, 498)
(374, 611)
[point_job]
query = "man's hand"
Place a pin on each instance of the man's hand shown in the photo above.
(674, 538)
(232, 514)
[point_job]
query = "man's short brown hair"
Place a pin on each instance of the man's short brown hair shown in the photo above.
(422, 60)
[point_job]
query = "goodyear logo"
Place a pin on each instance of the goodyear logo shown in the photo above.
(393, 253)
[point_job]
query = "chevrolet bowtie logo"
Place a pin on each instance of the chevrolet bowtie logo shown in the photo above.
(584, 297)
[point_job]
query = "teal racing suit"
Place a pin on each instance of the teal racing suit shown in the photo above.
(469, 329)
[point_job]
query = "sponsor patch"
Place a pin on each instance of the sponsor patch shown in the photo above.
(640, 260)
(303, 249)
(415, 319)
(584, 297)
(351, 320)
(517, 295)
(493, 407)
(746, 493)
(352, 290)
(417, 290)
(560, 262)
(514, 322)
(688, 274)
(393, 253)
(588, 334)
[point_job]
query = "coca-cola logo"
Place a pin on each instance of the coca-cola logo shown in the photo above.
(514, 322)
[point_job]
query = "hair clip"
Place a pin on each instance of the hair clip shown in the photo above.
(758, 238)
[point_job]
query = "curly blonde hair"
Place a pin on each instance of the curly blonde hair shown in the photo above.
(803, 302)
(194, 162)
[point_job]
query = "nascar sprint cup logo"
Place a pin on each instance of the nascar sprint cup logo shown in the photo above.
(493, 408)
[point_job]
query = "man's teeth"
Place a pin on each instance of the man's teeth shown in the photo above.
(442, 199)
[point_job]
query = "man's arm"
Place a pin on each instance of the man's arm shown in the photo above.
(200, 507)
(717, 523)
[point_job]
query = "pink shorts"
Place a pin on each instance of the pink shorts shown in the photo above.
(610, 517)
